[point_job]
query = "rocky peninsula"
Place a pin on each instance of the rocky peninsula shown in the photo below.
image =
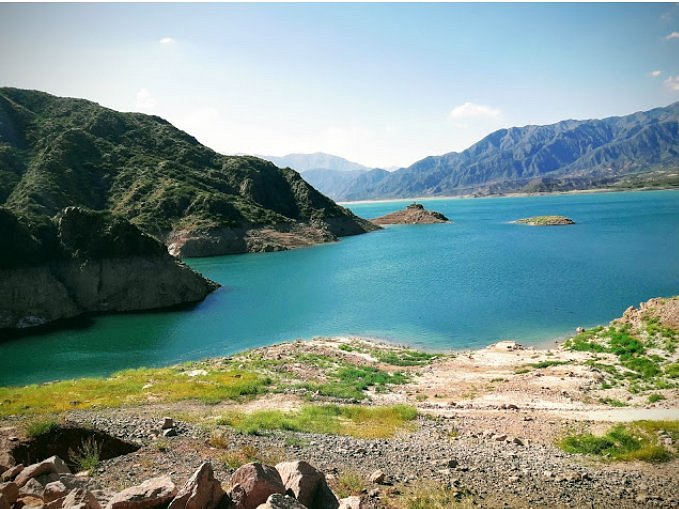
(86, 262)
(546, 221)
(414, 213)
(588, 422)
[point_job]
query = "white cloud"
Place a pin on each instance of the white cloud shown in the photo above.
(654, 74)
(472, 110)
(672, 83)
(145, 100)
(167, 41)
(673, 35)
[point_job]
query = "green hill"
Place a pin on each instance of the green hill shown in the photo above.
(58, 152)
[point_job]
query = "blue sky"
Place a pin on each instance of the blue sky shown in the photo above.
(381, 84)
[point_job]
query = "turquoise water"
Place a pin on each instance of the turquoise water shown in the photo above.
(442, 286)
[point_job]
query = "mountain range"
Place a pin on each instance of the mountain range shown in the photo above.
(637, 150)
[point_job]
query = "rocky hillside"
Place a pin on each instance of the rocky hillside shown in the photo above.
(58, 152)
(84, 261)
(622, 152)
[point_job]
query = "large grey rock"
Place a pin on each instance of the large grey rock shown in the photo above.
(53, 464)
(201, 491)
(80, 498)
(252, 484)
(151, 493)
(278, 501)
(307, 484)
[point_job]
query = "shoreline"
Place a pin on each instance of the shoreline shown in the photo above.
(508, 195)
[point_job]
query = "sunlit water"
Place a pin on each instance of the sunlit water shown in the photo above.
(446, 286)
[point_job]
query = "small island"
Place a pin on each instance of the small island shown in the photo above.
(414, 213)
(546, 221)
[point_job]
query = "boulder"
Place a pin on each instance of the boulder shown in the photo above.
(201, 491)
(32, 488)
(377, 477)
(4, 503)
(53, 464)
(11, 473)
(80, 498)
(352, 503)
(151, 493)
(278, 501)
(252, 484)
(10, 491)
(54, 491)
(6, 461)
(307, 484)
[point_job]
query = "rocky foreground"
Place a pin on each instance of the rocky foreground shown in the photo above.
(482, 428)
(414, 213)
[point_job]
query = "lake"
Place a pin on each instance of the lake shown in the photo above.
(460, 285)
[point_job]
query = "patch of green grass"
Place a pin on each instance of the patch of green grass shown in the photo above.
(672, 370)
(635, 441)
(351, 382)
(613, 402)
(234, 458)
(521, 371)
(351, 420)
(87, 456)
(655, 397)
(622, 343)
(430, 495)
(547, 364)
(41, 427)
(131, 387)
(403, 357)
(645, 367)
(349, 483)
(586, 342)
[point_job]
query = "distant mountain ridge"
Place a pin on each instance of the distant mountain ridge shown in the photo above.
(315, 161)
(631, 151)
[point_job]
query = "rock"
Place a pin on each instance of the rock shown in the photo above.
(201, 491)
(579, 330)
(351, 503)
(45, 479)
(4, 503)
(6, 461)
(54, 490)
(517, 441)
(80, 498)
(10, 490)
(412, 214)
(151, 493)
(546, 221)
(53, 464)
(253, 483)
(10, 474)
(167, 423)
(500, 438)
(307, 484)
(377, 477)
(278, 501)
(32, 488)
(29, 501)
(170, 432)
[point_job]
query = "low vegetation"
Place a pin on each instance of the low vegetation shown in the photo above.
(626, 442)
(352, 420)
(87, 456)
(639, 354)
(131, 387)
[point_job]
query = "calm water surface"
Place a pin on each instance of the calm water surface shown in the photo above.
(460, 285)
